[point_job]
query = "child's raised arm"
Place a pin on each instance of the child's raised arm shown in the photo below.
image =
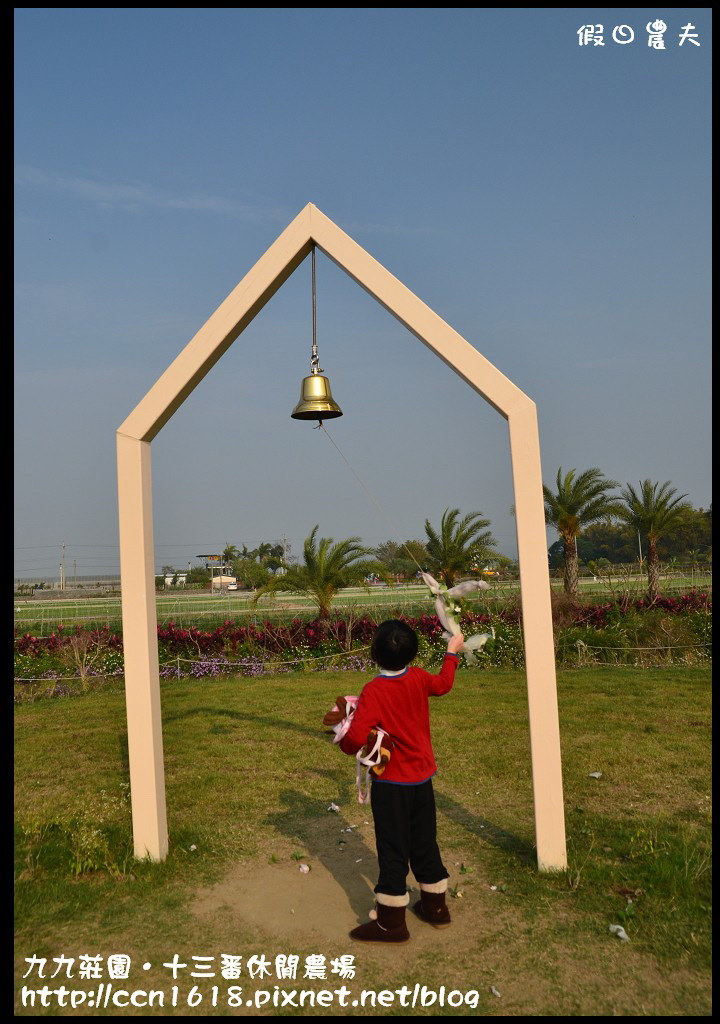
(443, 681)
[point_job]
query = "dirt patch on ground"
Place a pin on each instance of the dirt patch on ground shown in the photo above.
(549, 964)
(322, 905)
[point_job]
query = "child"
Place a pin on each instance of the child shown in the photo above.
(402, 801)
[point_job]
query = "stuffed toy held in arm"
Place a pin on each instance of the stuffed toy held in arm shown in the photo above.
(377, 751)
(373, 756)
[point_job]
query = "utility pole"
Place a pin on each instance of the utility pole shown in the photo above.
(62, 568)
(75, 573)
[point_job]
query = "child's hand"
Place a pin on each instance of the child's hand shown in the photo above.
(455, 644)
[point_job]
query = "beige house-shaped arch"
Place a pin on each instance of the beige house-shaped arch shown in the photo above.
(137, 561)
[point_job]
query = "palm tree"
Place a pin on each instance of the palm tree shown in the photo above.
(230, 553)
(275, 558)
(264, 551)
(655, 511)
(575, 505)
(326, 568)
(459, 545)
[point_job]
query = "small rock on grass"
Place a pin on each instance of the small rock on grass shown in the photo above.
(494, 991)
(617, 929)
(595, 775)
(304, 868)
(334, 807)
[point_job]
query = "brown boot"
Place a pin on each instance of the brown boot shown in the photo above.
(431, 908)
(388, 926)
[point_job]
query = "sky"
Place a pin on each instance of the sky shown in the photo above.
(549, 200)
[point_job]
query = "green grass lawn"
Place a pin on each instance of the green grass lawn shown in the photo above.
(206, 610)
(250, 776)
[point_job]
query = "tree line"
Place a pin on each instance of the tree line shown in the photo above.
(650, 513)
(327, 566)
(592, 523)
(615, 543)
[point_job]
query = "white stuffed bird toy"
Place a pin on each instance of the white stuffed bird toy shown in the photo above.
(446, 608)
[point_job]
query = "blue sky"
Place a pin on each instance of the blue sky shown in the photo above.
(550, 201)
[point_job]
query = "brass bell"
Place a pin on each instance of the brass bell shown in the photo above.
(316, 400)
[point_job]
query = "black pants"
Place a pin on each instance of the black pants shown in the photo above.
(405, 831)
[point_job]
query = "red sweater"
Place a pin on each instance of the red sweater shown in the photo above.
(399, 705)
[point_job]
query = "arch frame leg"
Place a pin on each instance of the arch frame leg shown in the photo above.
(538, 638)
(142, 669)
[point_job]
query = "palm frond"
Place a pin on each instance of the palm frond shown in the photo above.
(654, 509)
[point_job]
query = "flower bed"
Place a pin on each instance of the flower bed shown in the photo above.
(671, 630)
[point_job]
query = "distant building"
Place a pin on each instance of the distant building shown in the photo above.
(222, 581)
(179, 577)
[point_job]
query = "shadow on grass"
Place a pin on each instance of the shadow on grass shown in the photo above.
(322, 838)
(244, 716)
(124, 755)
(492, 834)
(299, 820)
